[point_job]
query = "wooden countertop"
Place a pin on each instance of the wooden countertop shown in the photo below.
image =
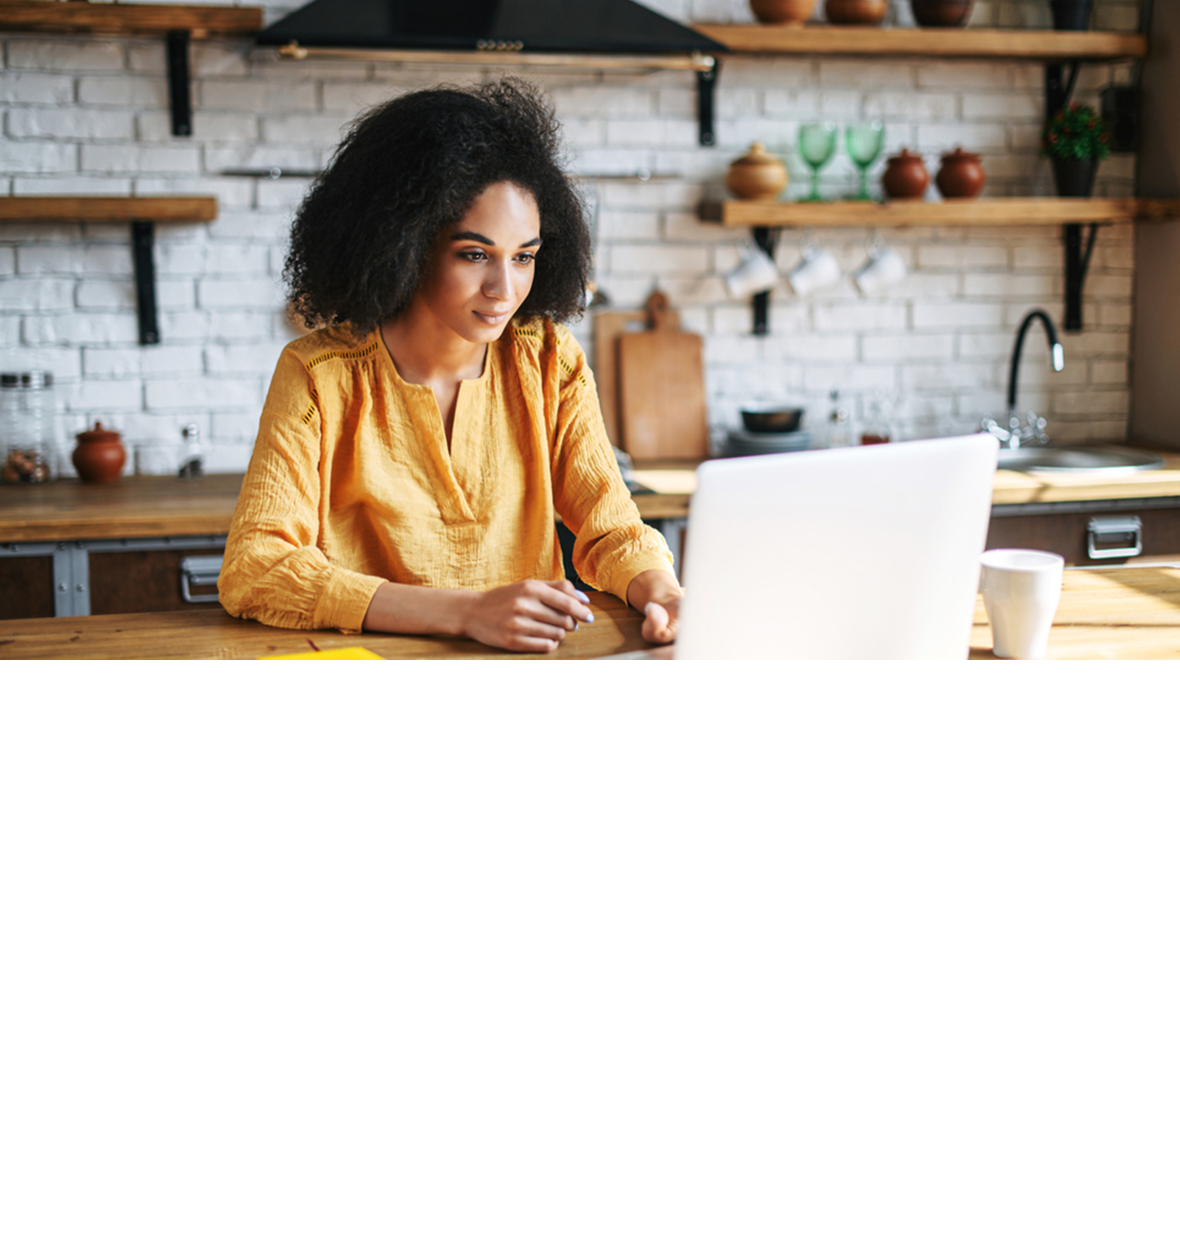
(152, 507)
(1013, 487)
(132, 507)
(1119, 613)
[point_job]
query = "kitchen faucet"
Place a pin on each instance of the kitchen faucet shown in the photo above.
(1033, 427)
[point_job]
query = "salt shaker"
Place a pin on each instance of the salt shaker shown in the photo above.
(194, 456)
(839, 424)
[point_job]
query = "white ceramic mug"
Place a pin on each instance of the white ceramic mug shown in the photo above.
(885, 267)
(756, 273)
(816, 269)
(1020, 590)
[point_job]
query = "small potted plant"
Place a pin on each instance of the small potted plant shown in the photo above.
(1076, 139)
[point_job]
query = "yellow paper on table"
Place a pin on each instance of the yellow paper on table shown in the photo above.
(343, 652)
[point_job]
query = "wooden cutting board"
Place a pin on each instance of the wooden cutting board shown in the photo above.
(609, 325)
(662, 412)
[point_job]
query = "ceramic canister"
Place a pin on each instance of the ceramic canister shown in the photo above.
(856, 12)
(783, 12)
(960, 175)
(905, 175)
(757, 174)
(100, 455)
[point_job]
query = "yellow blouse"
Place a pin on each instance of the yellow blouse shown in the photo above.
(351, 482)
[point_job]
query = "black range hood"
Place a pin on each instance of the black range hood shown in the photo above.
(581, 33)
(608, 27)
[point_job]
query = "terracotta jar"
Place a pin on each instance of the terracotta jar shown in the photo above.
(942, 12)
(960, 175)
(757, 174)
(856, 12)
(100, 455)
(783, 12)
(905, 176)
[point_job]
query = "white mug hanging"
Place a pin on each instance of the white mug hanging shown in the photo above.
(884, 268)
(817, 268)
(756, 273)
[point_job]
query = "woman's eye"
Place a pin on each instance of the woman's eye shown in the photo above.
(473, 256)
(525, 258)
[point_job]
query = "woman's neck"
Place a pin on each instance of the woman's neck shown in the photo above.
(430, 354)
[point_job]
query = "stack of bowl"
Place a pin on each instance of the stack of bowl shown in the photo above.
(768, 428)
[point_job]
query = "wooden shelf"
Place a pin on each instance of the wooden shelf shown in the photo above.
(753, 39)
(101, 209)
(69, 16)
(143, 214)
(997, 212)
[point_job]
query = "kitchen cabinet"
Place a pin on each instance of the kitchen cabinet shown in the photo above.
(1090, 534)
(68, 549)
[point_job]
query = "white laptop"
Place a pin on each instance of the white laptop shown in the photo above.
(849, 553)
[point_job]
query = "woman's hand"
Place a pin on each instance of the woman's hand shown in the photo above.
(526, 615)
(657, 594)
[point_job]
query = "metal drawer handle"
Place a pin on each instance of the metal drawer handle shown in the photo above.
(1114, 538)
(199, 570)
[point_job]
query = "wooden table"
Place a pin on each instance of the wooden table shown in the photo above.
(215, 635)
(1114, 613)
(1122, 613)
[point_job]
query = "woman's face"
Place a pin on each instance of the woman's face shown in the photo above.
(481, 268)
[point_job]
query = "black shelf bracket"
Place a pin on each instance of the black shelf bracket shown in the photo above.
(142, 237)
(1059, 86)
(1077, 263)
(765, 239)
(706, 88)
(180, 84)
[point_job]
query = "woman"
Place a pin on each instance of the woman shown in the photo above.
(414, 452)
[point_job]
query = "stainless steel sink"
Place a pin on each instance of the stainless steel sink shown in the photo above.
(1073, 460)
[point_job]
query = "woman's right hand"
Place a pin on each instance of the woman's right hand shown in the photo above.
(526, 615)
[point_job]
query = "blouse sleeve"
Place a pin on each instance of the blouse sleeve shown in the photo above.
(273, 569)
(612, 544)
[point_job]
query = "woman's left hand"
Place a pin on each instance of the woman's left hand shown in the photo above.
(657, 594)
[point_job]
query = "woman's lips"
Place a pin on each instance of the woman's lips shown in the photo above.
(493, 320)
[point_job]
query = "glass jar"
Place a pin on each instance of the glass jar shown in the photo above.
(26, 427)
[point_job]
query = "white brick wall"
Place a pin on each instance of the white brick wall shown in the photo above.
(87, 116)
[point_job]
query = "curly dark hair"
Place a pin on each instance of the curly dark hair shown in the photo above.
(405, 171)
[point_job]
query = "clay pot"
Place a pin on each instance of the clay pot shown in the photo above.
(856, 12)
(783, 12)
(960, 175)
(100, 455)
(942, 12)
(757, 174)
(905, 176)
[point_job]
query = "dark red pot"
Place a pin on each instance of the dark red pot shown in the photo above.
(960, 175)
(100, 455)
(905, 175)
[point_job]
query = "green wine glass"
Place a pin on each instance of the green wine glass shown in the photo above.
(817, 144)
(864, 143)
